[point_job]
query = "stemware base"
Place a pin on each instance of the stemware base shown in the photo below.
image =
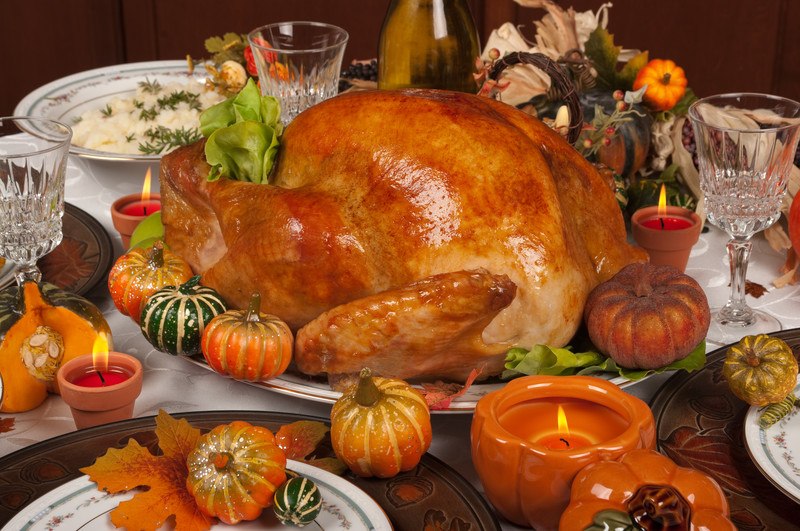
(723, 330)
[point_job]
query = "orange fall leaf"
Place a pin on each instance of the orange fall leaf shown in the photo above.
(134, 466)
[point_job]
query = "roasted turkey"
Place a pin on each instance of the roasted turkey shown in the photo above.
(421, 233)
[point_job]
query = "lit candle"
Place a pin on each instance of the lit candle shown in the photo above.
(145, 205)
(525, 468)
(128, 211)
(667, 233)
(563, 439)
(100, 387)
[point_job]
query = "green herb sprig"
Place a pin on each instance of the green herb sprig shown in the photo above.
(162, 138)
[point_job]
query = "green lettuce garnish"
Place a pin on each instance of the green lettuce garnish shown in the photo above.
(243, 135)
(545, 360)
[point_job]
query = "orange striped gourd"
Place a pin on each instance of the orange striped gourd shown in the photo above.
(247, 344)
(380, 426)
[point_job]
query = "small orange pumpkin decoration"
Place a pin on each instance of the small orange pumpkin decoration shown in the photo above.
(645, 490)
(235, 470)
(247, 344)
(380, 426)
(666, 84)
(139, 273)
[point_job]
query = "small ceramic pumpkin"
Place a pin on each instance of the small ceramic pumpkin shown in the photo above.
(666, 84)
(235, 470)
(644, 490)
(760, 369)
(41, 327)
(139, 273)
(380, 426)
(297, 502)
(247, 344)
(173, 318)
(647, 316)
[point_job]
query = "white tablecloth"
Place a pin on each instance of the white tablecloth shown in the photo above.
(175, 385)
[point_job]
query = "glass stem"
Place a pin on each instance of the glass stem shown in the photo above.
(736, 311)
(27, 273)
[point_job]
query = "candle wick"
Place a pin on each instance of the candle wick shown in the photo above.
(562, 439)
(662, 223)
(100, 375)
(144, 208)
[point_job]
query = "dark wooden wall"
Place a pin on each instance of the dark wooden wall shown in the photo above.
(724, 45)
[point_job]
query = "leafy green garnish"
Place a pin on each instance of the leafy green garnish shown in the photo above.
(600, 49)
(107, 111)
(552, 361)
(153, 87)
(243, 135)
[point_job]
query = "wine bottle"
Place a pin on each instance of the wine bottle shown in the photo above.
(428, 44)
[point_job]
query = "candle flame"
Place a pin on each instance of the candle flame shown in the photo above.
(563, 427)
(100, 353)
(146, 186)
(662, 202)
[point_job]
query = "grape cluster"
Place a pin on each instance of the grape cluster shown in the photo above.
(364, 70)
(689, 144)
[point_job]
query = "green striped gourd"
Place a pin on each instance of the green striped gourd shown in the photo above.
(174, 317)
(297, 502)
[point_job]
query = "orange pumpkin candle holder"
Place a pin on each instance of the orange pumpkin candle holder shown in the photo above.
(524, 474)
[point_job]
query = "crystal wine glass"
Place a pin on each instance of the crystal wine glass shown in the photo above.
(32, 168)
(746, 145)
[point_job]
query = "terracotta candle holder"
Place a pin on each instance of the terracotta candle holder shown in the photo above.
(526, 463)
(95, 400)
(668, 239)
(129, 210)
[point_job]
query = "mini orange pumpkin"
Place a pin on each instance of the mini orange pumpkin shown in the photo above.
(380, 426)
(247, 344)
(646, 489)
(666, 84)
(141, 272)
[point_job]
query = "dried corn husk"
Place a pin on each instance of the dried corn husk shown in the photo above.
(687, 174)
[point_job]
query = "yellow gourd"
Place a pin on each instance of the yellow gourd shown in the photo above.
(39, 322)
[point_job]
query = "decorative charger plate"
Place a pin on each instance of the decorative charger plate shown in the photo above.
(81, 505)
(80, 261)
(699, 424)
(432, 496)
(776, 450)
(318, 390)
(66, 99)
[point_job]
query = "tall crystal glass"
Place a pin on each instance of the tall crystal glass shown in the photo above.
(298, 63)
(746, 145)
(32, 167)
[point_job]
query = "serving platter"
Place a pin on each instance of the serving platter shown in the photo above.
(80, 504)
(776, 450)
(67, 98)
(431, 494)
(699, 424)
(80, 261)
(317, 389)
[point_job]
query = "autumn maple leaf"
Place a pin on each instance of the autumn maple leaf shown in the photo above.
(300, 438)
(439, 395)
(165, 475)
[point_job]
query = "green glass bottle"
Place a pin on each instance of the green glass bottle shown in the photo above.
(428, 44)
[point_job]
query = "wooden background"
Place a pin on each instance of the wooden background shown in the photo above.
(724, 45)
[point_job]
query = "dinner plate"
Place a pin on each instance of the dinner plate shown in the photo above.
(776, 450)
(699, 424)
(66, 99)
(80, 261)
(81, 505)
(432, 495)
(318, 390)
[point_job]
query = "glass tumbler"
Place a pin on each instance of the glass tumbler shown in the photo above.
(298, 63)
(32, 168)
(746, 145)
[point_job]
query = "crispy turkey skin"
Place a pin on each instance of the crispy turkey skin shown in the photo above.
(379, 196)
